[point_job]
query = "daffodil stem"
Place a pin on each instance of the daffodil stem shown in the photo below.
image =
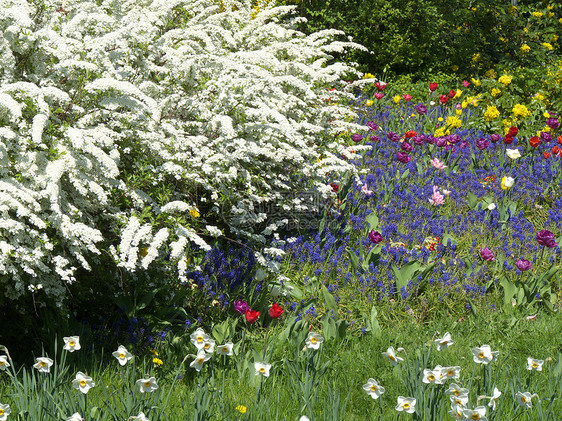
(265, 344)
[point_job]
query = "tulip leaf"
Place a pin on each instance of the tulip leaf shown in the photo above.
(353, 258)
(329, 300)
(404, 275)
(472, 200)
(329, 328)
(372, 220)
(509, 290)
(375, 327)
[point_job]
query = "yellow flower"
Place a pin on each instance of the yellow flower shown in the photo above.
(241, 408)
(546, 114)
(560, 20)
(396, 99)
(546, 129)
(440, 119)
(458, 94)
(491, 113)
(525, 48)
(540, 97)
(369, 102)
(507, 183)
(194, 213)
(550, 14)
(537, 14)
(476, 57)
(453, 121)
(157, 361)
(475, 82)
(440, 132)
(459, 112)
(368, 76)
(525, 29)
(520, 110)
(464, 104)
(143, 251)
(496, 92)
(548, 46)
(154, 352)
(505, 80)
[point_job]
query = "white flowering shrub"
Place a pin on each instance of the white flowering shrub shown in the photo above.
(148, 128)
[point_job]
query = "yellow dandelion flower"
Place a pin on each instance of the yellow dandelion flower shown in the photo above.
(242, 409)
(157, 361)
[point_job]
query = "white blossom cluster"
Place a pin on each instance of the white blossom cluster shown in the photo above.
(214, 102)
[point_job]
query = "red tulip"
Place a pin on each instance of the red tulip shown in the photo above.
(556, 150)
(452, 93)
(508, 139)
(443, 99)
(546, 154)
(433, 87)
(275, 311)
(252, 316)
(534, 141)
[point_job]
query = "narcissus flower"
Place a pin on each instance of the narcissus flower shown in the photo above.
(226, 349)
(43, 364)
(140, 417)
(524, 399)
(533, 364)
(373, 388)
(391, 355)
(4, 364)
(209, 346)
(122, 355)
(432, 376)
(448, 373)
(82, 382)
(484, 354)
(262, 369)
(71, 343)
(198, 338)
(74, 417)
(444, 342)
(4, 411)
(494, 399)
(147, 385)
(406, 404)
(314, 340)
(478, 413)
(200, 359)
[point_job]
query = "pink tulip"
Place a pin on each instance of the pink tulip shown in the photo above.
(438, 164)
(437, 198)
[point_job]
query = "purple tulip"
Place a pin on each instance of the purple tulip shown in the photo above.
(421, 109)
(546, 136)
(403, 157)
(375, 237)
(482, 143)
(374, 138)
(372, 125)
(487, 254)
(553, 123)
(454, 138)
(241, 306)
(523, 265)
(406, 147)
(441, 142)
(495, 138)
(418, 140)
(546, 238)
(356, 137)
(393, 136)
(429, 139)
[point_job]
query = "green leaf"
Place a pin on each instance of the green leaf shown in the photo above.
(373, 221)
(329, 300)
(375, 327)
(405, 274)
(329, 328)
(353, 258)
(509, 290)
(472, 200)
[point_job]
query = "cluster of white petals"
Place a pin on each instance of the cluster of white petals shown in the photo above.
(225, 108)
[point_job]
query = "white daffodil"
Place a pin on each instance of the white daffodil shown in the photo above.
(373, 388)
(262, 369)
(140, 417)
(449, 373)
(533, 364)
(209, 346)
(75, 417)
(432, 376)
(406, 404)
(314, 340)
(478, 413)
(226, 349)
(304, 418)
(513, 153)
(71, 343)
(484, 354)
(444, 342)
(199, 337)
(494, 399)
(122, 355)
(43, 364)
(82, 382)
(200, 359)
(524, 399)
(4, 411)
(147, 385)
(455, 390)
(456, 411)
(391, 355)
(460, 400)
(4, 364)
